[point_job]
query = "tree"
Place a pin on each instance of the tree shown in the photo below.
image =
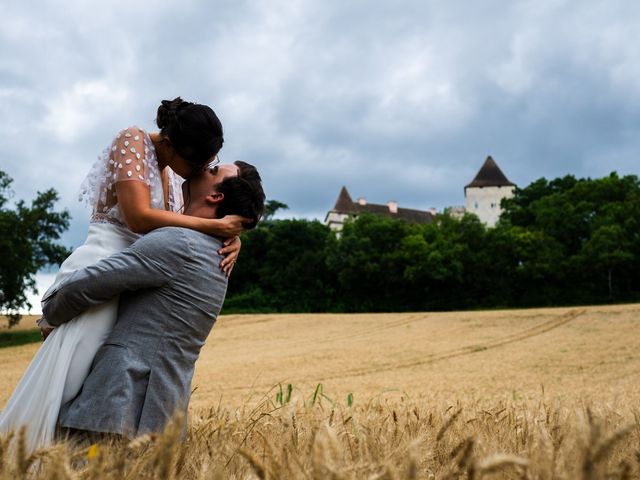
(523, 270)
(271, 207)
(608, 249)
(445, 263)
(282, 268)
(368, 265)
(27, 245)
(592, 227)
(559, 242)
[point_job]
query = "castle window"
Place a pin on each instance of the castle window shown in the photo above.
(493, 205)
(475, 205)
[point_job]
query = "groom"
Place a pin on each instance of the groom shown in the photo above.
(171, 291)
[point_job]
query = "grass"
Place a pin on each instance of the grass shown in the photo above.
(14, 338)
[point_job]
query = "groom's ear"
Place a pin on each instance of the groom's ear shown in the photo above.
(214, 198)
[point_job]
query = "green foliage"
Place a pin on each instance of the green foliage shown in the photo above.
(318, 395)
(367, 265)
(559, 242)
(14, 338)
(283, 398)
(350, 399)
(271, 207)
(595, 225)
(27, 244)
(282, 268)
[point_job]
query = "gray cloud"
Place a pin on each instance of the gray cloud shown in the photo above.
(397, 100)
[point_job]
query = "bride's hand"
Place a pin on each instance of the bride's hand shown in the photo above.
(228, 226)
(230, 249)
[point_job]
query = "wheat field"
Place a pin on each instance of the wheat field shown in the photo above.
(540, 393)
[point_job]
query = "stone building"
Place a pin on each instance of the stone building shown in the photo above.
(486, 190)
(345, 207)
(482, 197)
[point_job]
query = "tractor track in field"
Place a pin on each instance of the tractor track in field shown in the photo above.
(515, 337)
(427, 359)
(363, 332)
(366, 331)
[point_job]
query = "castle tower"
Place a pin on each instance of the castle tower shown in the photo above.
(335, 218)
(486, 190)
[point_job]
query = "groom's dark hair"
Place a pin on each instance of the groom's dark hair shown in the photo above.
(243, 194)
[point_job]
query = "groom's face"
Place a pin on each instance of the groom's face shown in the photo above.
(204, 184)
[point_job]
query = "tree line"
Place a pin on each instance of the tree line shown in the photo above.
(565, 241)
(558, 242)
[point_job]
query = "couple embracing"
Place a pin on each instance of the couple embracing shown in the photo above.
(131, 308)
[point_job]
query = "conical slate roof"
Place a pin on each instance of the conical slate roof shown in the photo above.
(490, 175)
(344, 202)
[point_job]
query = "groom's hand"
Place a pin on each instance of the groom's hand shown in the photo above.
(45, 328)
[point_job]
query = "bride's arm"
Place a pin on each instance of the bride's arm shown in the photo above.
(131, 172)
(134, 201)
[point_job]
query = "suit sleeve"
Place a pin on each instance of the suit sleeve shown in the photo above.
(150, 262)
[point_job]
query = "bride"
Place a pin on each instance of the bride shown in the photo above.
(133, 189)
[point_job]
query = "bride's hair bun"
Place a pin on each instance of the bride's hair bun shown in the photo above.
(167, 116)
(194, 130)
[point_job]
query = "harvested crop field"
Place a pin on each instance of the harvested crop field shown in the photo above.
(571, 353)
(423, 395)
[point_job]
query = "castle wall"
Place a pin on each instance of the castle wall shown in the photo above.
(485, 202)
(335, 220)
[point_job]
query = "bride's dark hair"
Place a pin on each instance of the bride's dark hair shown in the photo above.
(194, 130)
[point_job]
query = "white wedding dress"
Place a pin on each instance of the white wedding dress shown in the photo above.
(56, 373)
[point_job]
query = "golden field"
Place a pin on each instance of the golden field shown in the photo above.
(27, 322)
(540, 393)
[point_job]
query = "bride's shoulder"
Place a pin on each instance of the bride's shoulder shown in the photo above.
(131, 133)
(132, 141)
(129, 157)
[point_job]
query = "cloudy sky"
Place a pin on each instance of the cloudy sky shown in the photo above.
(396, 100)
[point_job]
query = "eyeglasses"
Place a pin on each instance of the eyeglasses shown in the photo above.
(213, 162)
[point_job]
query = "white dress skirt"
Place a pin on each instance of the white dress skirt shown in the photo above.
(56, 373)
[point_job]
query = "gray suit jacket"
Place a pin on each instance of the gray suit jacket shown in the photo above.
(171, 290)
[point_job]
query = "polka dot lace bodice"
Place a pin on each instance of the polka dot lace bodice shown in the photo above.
(130, 157)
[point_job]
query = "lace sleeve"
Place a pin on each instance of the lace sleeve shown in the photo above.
(93, 187)
(127, 160)
(130, 157)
